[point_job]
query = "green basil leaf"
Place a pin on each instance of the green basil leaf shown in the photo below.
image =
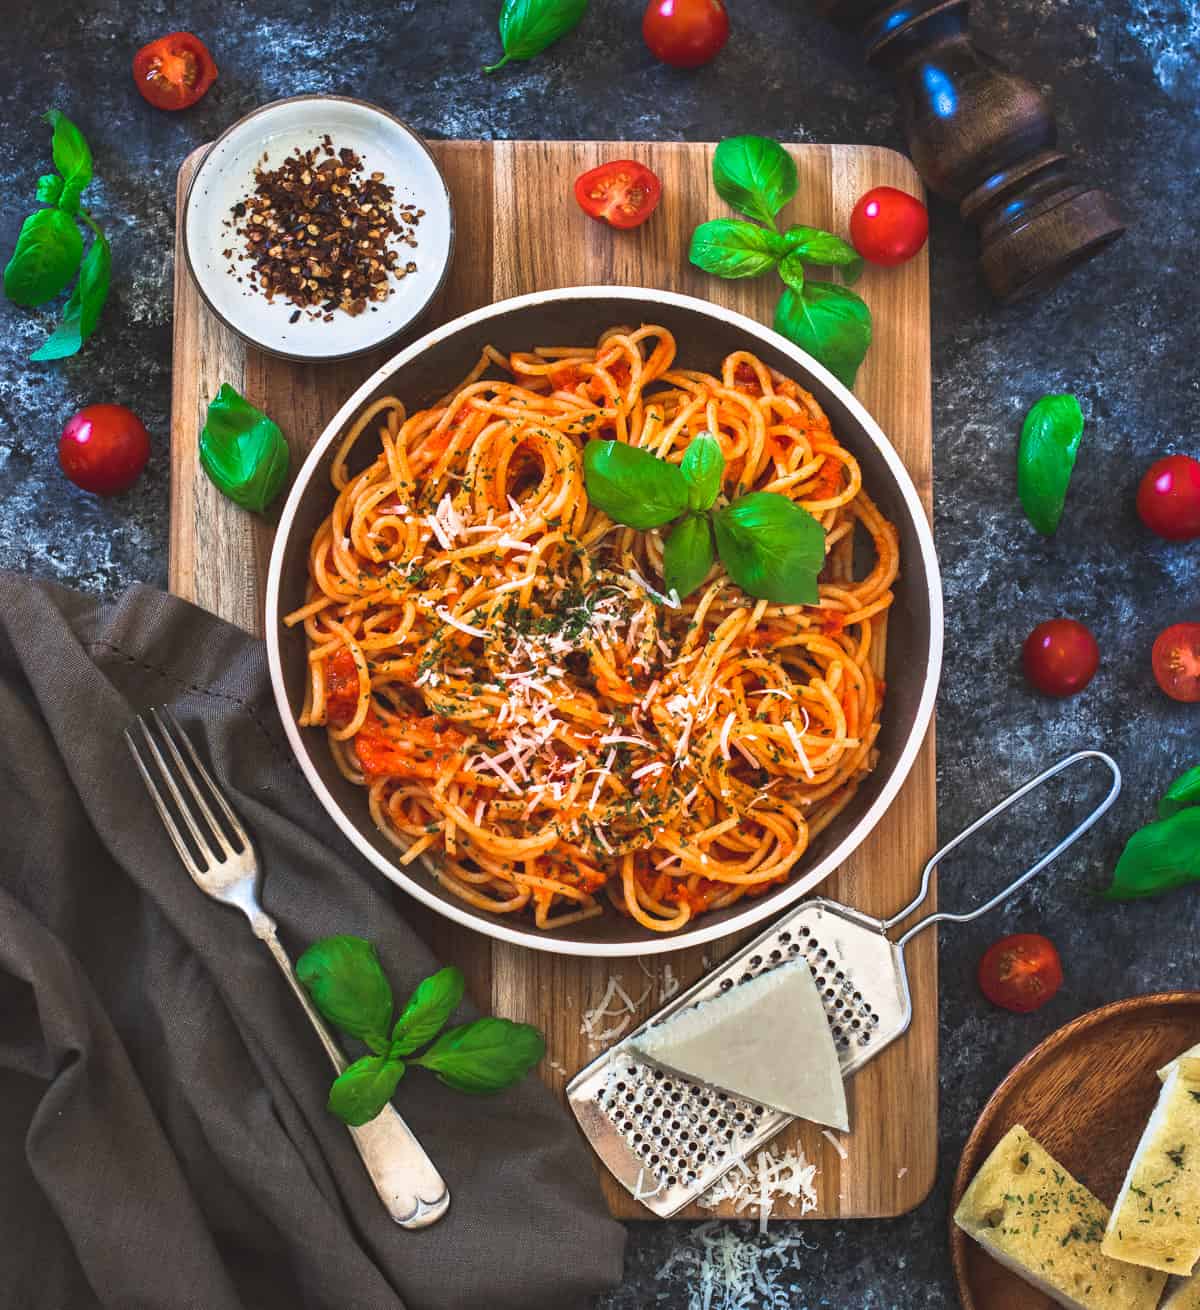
(434, 1001)
(756, 175)
(1158, 858)
(527, 27)
(47, 255)
(731, 247)
(1050, 439)
(1183, 793)
(687, 555)
(702, 467)
(364, 1088)
(791, 269)
(771, 547)
(347, 984)
(816, 246)
(632, 486)
(82, 312)
(485, 1056)
(72, 155)
(831, 322)
(68, 202)
(49, 188)
(243, 451)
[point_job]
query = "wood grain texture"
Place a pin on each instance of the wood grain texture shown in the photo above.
(1085, 1094)
(519, 230)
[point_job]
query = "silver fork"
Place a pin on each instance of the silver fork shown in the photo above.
(223, 865)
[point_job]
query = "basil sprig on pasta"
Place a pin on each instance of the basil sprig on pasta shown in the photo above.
(757, 176)
(347, 984)
(1165, 854)
(770, 546)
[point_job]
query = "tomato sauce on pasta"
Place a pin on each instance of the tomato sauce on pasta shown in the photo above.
(495, 661)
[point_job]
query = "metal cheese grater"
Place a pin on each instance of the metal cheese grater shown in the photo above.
(667, 1139)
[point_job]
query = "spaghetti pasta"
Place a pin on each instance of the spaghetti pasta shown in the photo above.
(496, 662)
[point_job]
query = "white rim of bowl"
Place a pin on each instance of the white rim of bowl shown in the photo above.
(417, 314)
(754, 913)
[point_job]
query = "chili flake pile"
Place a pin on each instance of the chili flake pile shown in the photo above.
(321, 232)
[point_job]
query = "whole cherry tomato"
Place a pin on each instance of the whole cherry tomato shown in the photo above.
(888, 226)
(174, 71)
(685, 33)
(1021, 973)
(622, 193)
(1176, 661)
(1169, 498)
(104, 448)
(1060, 657)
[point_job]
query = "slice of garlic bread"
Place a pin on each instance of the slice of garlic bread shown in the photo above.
(1156, 1220)
(1028, 1213)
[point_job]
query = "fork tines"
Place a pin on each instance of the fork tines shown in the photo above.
(157, 739)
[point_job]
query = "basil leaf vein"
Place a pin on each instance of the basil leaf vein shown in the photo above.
(831, 322)
(484, 1056)
(731, 247)
(633, 486)
(49, 248)
(243, 451)
(347, 984)
(527, 27)
(755, 175)
(434, 1001)
(1050, 439)
(361, 1091)
(771, 547)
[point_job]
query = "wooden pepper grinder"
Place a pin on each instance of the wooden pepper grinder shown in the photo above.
(984, 138)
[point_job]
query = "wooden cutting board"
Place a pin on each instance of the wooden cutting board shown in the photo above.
(519, 230)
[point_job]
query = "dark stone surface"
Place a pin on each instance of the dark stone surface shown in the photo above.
(1122, 334)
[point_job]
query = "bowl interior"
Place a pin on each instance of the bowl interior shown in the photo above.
(703, 337)
(226, 176)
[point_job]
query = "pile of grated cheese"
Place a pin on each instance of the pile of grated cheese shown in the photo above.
(726, 1271)
(788, 1177)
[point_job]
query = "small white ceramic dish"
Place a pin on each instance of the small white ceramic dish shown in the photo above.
(226, 176)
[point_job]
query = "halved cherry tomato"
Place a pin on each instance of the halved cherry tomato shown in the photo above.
(622, 193)
(1060, 657)
(685, 33)
(1021, 973)
(174, 71)
(103, 449)
(1176, 660)
(888, 226)
(1168, 500)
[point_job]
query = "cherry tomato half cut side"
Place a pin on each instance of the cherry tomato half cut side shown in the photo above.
(174, 71)
(622, 193)
(1021, 973)
(1176, 661)
(1168, 500)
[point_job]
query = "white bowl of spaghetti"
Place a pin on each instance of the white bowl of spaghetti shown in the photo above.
(488, 688)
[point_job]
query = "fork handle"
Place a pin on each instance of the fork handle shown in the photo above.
(408, 1183)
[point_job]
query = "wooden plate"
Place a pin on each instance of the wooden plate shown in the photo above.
(1085, 1093)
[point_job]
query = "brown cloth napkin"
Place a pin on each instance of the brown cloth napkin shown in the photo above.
(164, 1140)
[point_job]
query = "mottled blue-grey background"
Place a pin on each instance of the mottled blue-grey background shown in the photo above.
(1122, 334)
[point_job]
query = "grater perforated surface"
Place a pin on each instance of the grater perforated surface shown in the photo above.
(669, 1139)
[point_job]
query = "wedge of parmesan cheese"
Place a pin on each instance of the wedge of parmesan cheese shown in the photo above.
(1186, 1296)
(1165, 1072)
(1156, 1220)
(1031, 1216)
(766, 1040)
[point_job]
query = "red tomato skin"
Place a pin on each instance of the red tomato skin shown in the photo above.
(103, 449)
(1021, 973)
(175, 53)
(888, 226)
(685, 33)
(601, 193)
(1176, 662)
(1168, 499)
(1060, 657)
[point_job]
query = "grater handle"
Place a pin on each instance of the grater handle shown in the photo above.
(984, 820)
